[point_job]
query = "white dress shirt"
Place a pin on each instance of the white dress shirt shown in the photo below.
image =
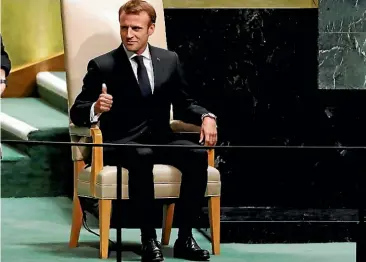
(150, 72)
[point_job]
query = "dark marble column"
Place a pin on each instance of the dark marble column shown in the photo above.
(342, 44)
(342, 67)
(257, 71)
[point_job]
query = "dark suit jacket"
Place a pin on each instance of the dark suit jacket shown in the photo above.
(131, 114)
(5, 61)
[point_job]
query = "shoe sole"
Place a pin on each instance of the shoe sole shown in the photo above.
(155, 260)
(183, 257)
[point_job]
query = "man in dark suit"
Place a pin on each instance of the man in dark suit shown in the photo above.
(129, 91)
(5, 66)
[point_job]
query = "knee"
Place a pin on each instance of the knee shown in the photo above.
(144, 158)
(144, 152)
(200, 157)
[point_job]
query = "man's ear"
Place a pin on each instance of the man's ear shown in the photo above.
(151, 29)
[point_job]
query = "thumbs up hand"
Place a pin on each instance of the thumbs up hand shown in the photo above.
(104, 102)
(104, 88)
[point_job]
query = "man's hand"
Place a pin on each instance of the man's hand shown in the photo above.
(2, 76)
(104, 102)
(209, 131)
(3, 86)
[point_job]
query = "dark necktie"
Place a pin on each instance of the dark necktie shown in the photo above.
(142, 77)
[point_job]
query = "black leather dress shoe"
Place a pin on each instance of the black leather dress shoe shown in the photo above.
(151, 251)
(187, 248)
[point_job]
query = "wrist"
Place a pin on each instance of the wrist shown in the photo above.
(209, 115)
(3, 81)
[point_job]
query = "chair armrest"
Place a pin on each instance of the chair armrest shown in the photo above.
(186, 129)
(79, 131)
(190, 136)
(179, 126)
(97, 157)
(84, 134)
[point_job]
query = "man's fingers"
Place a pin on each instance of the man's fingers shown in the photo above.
(104, 88)
(105, 108)
(210, 139)
(106, 104)
(106, 100)
(106, 96)
(201, 136)
(207, 138)
(213, 139)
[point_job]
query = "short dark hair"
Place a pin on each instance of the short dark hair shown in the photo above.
(137, 6)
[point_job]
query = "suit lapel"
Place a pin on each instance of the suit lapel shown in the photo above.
(124, 73)
(157, 67)
(126, 65)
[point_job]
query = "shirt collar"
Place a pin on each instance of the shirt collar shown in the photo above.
(145, 54)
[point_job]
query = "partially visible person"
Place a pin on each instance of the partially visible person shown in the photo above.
(5, 70)
(5, 66)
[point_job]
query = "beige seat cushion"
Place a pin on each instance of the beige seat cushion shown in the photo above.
(167, 180)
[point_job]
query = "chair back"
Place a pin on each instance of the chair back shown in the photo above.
(91, 28)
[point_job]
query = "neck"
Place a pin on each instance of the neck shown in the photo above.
(139, 52)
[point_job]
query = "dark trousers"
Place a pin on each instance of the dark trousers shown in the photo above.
(139, 162)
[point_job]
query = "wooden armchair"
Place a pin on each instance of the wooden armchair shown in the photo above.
(91, 28)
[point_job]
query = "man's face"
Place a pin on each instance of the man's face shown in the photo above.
(135, 30)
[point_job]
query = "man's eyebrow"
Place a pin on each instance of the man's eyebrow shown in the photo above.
(133, 26)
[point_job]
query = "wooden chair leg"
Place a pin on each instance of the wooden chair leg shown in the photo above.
(214, 214)
(167, 223)
(77, 214)
(77, 220)
(105, 207)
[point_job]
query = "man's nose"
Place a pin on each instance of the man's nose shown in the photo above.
(129, 33)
